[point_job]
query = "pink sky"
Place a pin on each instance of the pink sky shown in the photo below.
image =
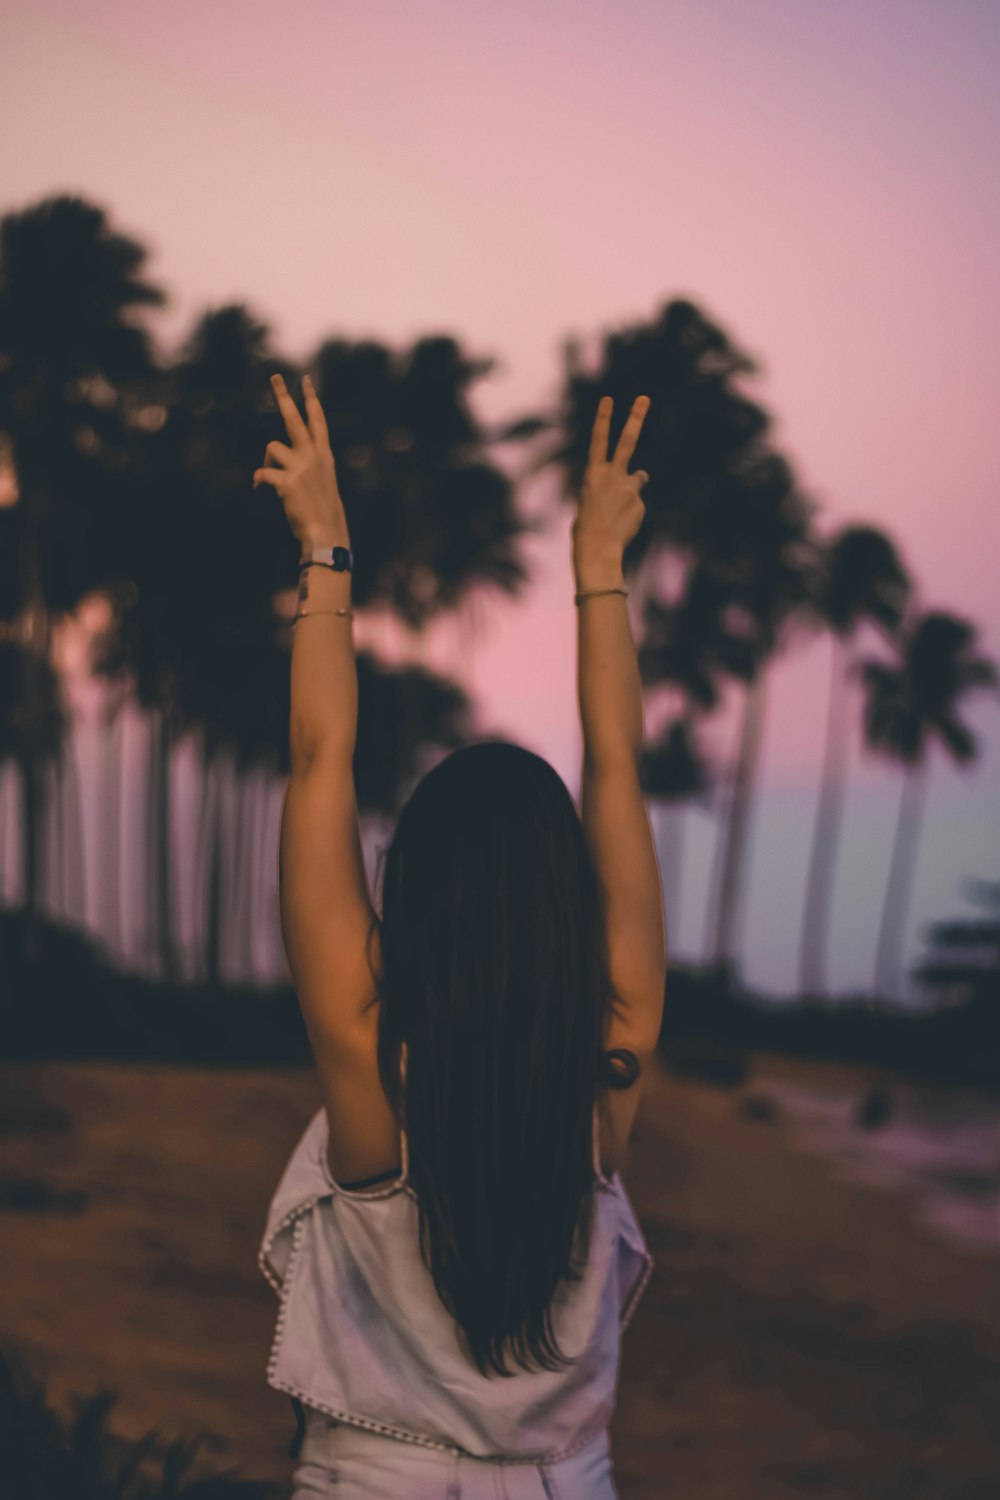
(821, 180)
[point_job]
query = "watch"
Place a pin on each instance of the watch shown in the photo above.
(341, 559)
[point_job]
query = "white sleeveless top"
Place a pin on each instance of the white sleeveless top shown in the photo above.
(362, 1335)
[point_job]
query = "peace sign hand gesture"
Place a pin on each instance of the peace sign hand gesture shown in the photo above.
(305, 474)
(611, 511)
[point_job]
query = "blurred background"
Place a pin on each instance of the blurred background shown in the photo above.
(779, 222)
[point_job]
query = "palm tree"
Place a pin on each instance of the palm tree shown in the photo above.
(32, 735)
(67, 286)
(698, 429)
(431, 521)
(715, 497)
(673, 769)
(209, 648)
(176, 607)
(858, 577)
(69, 841)
(908, 704)
(112, 769)
(207, 636)
(688, 645)
(685, 647)
(756, 540)
(134, 655)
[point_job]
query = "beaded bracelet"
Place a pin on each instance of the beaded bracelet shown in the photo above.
(592, 592)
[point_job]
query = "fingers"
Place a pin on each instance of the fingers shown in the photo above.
(279, 452)
(269, 476)
(599, 436)
(629, 436)
(630, 432)
(315, 413)
(297, 429)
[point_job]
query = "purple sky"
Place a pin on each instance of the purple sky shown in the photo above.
(821, 180)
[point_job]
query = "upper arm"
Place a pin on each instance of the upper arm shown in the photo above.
(332, 943)
(618, 1108)
(616, 825)
(327, 918)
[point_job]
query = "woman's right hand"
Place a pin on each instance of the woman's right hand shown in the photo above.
(610, 510)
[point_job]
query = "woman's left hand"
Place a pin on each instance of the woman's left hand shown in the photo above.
(304, 474)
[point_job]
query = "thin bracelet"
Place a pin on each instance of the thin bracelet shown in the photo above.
(591, 593)
(305, 613)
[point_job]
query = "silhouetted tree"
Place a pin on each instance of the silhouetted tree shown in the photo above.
(697, 429)
(858, 577)
(429, 518)
(963, 961)
(67, 286)
(715, 496)
(672, 769)
(204, 555)
(909, 703)
(32, 735)
(205, 630)
(684, 648)
(757, 541)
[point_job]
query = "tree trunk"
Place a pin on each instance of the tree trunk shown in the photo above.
(74, 814)
(56, 842)
(160, 865)
(31, 823)
(266, 852)
(35, 639)
(211, 847)
(254, 871)
(826, 832)
(671, 840)
(730, 888)
(900, 882)
(151, 892)
(723, 813)
(6, 820)
(240, 884)
(34, 630)
(112, 800)
(66, 835)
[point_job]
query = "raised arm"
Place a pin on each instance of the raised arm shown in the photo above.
(613, 808)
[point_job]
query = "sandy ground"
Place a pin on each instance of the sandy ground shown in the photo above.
(801, 1335)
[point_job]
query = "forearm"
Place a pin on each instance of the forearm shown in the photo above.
(608, 682)
(324, 680)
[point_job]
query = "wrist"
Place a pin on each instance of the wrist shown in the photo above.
(597, 569)
(590, 547)
(323, 536)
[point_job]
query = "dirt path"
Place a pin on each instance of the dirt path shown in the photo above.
(800, 1335)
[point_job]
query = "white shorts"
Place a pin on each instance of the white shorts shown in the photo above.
(338, 1461)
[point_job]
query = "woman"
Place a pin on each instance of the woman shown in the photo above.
(454, 1250)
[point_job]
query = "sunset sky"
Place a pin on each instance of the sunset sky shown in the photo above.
(820, 179)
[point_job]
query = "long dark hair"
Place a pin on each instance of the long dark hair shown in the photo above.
(495, 977)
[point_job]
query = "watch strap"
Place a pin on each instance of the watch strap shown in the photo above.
(341, 559)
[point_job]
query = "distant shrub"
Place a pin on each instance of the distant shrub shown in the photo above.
(43, 1458)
